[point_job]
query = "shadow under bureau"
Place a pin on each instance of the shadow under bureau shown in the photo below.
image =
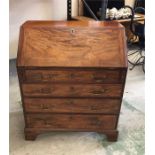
(72, 76)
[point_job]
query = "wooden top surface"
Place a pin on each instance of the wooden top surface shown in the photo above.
(72, 44)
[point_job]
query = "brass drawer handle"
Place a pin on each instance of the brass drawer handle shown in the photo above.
(46, 123)
(96, 122)
(50, 76)
(72, 75)
(98, 92)
(40, 76)
(94, 108)
(37, 76)
(40, 120)
(71, 102)
(99, 79)
(43, 121)
(41, 91)
(45, 90)
(44, 107)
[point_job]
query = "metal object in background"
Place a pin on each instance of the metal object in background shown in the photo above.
(103, 9)
(139, 3)
(137, 57)
(89, 9)
(69, 9)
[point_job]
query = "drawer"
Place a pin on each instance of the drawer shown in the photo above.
(87, 76)
(72, 105)
(71, 121)
(69, 90)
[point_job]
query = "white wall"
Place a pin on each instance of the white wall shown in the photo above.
(130, 2)
(22, 10)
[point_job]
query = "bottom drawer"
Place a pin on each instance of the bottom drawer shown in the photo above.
(72, 121)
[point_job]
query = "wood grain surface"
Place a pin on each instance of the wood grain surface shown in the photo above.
(71, 121)
(72, 90)
(72, 105)
(73, 44)
(72, 76)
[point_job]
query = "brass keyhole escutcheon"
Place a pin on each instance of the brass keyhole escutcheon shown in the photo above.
(44, 107)
(72, 31)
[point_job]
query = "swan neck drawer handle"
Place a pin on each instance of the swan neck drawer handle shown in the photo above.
(99, 79)
(98, 92)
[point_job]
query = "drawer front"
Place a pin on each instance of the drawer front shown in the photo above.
(68, 90)
(104, 106)
(105, 76)
(63, 121)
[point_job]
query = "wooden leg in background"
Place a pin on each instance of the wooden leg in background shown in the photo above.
(30, 135)
(112, 136)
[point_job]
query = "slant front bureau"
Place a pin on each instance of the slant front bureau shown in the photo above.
(72, 76)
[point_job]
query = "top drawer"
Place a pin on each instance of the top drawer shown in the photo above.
(88, 76)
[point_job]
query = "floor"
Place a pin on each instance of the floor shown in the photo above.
(131, 126)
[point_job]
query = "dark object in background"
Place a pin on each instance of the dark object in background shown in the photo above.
(138, 29)
(136, 58)
(140, 3)
(89, 9)
(103, 9)
(116, 3)
(95, 5)
(69, 10)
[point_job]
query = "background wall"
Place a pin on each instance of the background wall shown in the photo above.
(130, 2)
(22, 10)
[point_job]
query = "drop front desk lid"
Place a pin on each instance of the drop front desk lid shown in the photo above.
(72, 44)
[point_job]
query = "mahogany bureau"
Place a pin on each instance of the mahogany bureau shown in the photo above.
(72, 76)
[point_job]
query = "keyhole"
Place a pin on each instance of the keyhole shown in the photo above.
(72, 31)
